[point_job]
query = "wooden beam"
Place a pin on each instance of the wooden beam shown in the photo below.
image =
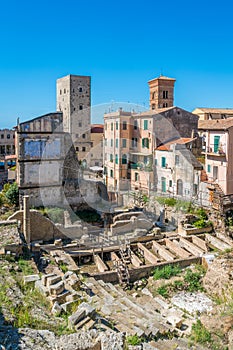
(175, 248)
(201, 243)
(192, 248)
(147, 254)
(135, 260)
(162, 251)
(100, 264)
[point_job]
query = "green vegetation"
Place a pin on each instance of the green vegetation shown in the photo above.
(201, 223)
(53, 213)
(166, 272)
(200, 334)
(185, 206)
(134, 340)
(88, 216)
(12, 193)
(191, 280)
(26, 267)
(163, 291)
(63, 267)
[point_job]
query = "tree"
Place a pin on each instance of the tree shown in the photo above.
(12, 194)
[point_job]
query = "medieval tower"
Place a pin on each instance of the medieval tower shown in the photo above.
(161, 92)
(74, 100)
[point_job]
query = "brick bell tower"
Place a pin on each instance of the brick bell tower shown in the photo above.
(161, 92)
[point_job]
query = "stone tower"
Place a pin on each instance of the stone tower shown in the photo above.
(161, 92)
(74, 100)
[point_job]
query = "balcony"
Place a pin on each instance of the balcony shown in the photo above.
(220, 152)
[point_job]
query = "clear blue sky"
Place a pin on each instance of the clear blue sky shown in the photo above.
(121, 44)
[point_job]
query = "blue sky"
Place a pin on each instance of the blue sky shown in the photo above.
(121, 44)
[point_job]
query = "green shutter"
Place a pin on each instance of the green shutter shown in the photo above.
(216, 143)
(163, 181)
(163, 162)
(145, 124)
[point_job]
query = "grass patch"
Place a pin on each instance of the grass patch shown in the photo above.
(200, 334)
(166, 272)
(134, 340)
(26, 267)
(163, 291)
(193, 279)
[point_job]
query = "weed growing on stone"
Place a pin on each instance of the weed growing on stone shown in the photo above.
(200, 334)
(166, 272)
(134, 340)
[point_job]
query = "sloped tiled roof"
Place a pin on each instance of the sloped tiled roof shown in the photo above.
(217, 124)
(215, 110)
(167, 146)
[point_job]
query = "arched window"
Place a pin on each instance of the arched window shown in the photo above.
(124, 159)
(116, 158)
(179, 189)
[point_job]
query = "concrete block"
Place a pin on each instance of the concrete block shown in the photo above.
(53, 280)
(56, 309)
(57, 288)
(61, 298)
(147, 254)
(30, 278)
(100, 264)
(73, 297)
(68, 306)
(42, 289)
(89, 310)
(76, 318)
(44, 278)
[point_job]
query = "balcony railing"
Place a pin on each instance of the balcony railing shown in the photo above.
(219, 152)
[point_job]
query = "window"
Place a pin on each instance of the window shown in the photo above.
(216, 143)
(105, 142)
(64, 91)
(83, 136)
(111, 173)
(145, 124)
(116, 159)
(91, 154)
(116, 143)
(84, 149)
(146, 160)
(2, 136)
(124, 127)
(194, 190)
(80, 107)
(153, 106)
(179, 189)
(116, 125)
(145, 143)
(111, 158)
(136, 177)
(208, 168)
(163, 184)
(111, 142)
(165, 94)
(77, 149)
(170, 183)
(156, 161)
(105, 171)
(124, 159)
(80, 124)
(112, 126)
(165, 105)
(8, 136)
(80, 89)
(135, 125)
(134, 142)
(124, 143)
(60, 92)
(177, 160)
(163, 162)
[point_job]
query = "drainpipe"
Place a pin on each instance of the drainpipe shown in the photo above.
(26, 220)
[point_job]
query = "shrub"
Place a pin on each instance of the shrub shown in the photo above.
(166, 272)
(200, 334)
(134, 340)
(193, 280)
(12, 193)
(163, 291)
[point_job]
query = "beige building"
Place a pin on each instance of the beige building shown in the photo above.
(130, 140)
(213, 113)
(74, 101)
(7, 142)
(95, 156)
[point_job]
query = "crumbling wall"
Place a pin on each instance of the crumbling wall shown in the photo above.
(41, 228)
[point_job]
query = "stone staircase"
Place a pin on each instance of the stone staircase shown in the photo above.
(148, 317)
